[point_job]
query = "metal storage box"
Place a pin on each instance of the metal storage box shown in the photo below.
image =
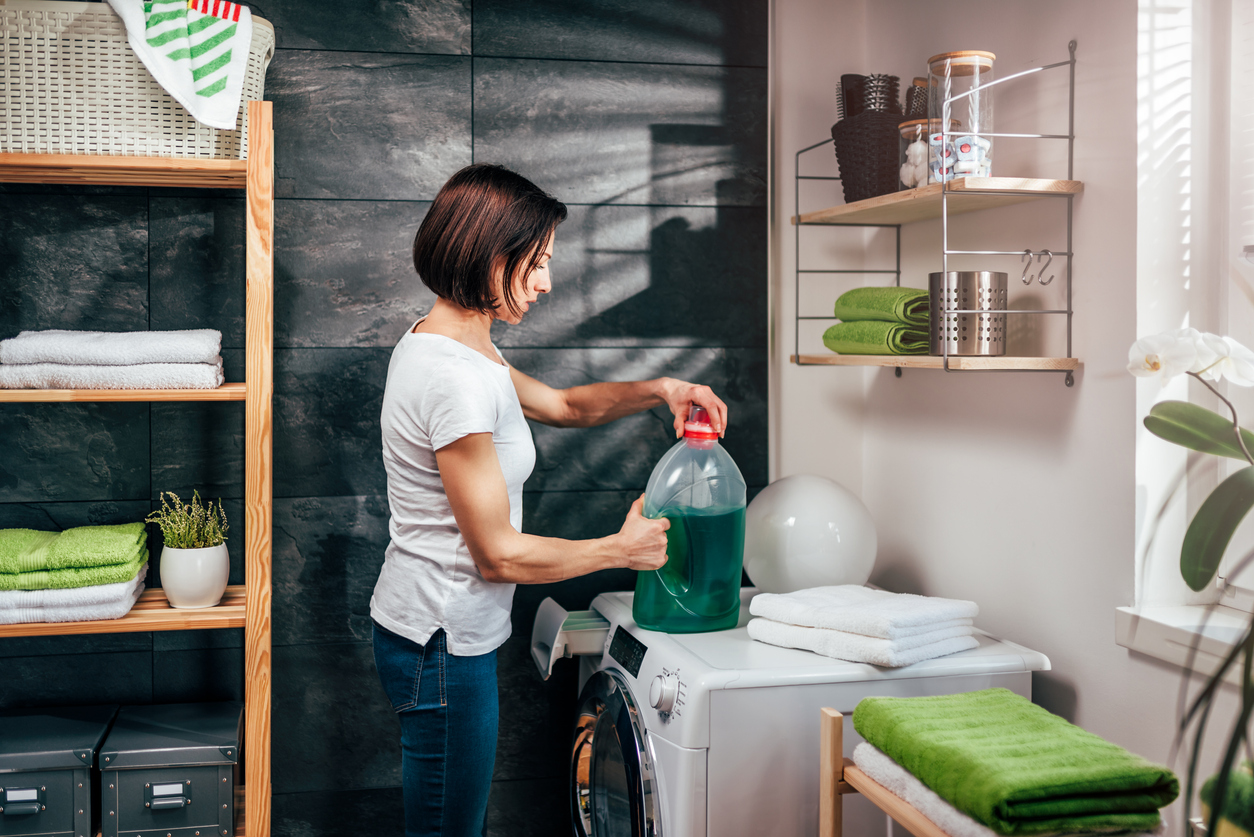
(169, 771)
(46, 760)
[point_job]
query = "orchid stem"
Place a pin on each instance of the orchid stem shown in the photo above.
(1236, 427)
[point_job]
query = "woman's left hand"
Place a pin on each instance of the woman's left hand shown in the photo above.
(681, 395)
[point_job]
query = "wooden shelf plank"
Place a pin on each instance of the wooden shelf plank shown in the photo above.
(226, 392)
(902, 812)
(1060, 364)
(970, 194)
(151, 613)
(101, 169)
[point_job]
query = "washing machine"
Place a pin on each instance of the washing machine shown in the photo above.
(716, 734)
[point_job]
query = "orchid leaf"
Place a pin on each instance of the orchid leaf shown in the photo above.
(1212, 528)
(1196, 428)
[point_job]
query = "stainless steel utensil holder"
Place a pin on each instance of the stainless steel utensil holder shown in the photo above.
(968, 312)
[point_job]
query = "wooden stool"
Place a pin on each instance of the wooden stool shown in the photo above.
(839, 775)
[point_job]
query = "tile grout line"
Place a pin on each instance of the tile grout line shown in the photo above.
(530, 58)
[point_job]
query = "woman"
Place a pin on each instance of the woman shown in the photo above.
(457, 450)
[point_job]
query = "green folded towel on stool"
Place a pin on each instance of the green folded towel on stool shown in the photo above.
(27, 550)
(1015, 767)
(873, 337)
(900, 305)
(74, 576)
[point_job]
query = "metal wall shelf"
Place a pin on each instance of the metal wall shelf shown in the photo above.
(971, 194)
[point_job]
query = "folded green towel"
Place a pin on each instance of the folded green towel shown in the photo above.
(74, 576)
(872, 337)
(1015, 767)
(24, 548)
(894, 305)
(27, 550)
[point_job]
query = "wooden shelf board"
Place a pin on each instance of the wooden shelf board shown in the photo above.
(108, 170)
(970, 194)
(226, 392)
(1060, 364)
(903, 813)
(151, 613)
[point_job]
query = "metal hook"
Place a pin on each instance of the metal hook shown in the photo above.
(1040, 277)
(1027, 254)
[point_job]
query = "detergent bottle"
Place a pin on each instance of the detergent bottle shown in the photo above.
(699, 489)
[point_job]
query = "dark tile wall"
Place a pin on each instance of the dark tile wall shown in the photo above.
(648, 117)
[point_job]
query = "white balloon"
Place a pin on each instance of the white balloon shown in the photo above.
(807, 531)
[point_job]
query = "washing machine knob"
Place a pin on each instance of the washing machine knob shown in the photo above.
(663, 691)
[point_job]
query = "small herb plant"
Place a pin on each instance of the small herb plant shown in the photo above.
(192, 526)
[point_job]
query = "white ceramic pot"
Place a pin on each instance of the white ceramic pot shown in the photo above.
(194, 578)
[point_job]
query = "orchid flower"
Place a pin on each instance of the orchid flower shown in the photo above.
(1164, 355)
(1232, 361)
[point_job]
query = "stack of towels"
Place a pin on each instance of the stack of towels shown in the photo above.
(990, 762)
(880, 321)
(112, 360)
(79, 575)
(864, 625)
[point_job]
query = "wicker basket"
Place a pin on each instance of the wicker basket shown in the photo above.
(867, 150)
(70, 84)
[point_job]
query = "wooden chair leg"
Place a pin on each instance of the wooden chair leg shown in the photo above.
(831, 772)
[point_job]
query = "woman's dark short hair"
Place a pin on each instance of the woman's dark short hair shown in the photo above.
(484, 217)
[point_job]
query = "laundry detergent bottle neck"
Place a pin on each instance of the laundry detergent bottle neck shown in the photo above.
(699, 489)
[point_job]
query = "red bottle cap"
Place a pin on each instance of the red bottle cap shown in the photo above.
(698, 425)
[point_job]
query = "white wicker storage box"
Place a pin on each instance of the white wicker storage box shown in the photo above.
(70, 84)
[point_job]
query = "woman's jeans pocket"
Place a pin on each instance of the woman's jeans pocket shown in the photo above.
(401, 663)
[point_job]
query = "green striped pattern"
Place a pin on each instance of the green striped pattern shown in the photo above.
(202, 40)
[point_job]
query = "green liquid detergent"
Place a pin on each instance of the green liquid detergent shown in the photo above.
(699, 489)
(699, 587)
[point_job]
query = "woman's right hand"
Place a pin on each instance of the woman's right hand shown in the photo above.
(643, 541)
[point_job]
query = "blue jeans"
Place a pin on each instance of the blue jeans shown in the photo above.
(448, 712)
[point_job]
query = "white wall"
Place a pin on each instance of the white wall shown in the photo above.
(1006, 488)
(816, 421)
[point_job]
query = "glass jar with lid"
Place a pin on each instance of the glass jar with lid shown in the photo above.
(958, 91)
(917, 156)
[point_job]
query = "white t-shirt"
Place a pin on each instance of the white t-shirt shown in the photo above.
(439, 390)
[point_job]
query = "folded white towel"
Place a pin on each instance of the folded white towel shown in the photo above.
(862, 610)
(903, 784)
(112, 348)
(197, 51)
(139, 376)
(857, 648)
(72, 596)
(84, 604)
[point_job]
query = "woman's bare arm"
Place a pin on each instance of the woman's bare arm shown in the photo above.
(477, 492)
(601, 403)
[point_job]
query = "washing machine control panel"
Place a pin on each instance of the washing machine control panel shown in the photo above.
(627, 651)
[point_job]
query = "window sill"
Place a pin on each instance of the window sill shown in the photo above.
(1169, 633)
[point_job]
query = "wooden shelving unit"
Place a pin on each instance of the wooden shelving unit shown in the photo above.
(246, 606)
(1023, 364)
(906, 207)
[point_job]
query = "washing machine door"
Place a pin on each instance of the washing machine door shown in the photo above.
(613, 785)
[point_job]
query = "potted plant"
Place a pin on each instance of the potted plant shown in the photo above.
(1209, 358)
(195, 566)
